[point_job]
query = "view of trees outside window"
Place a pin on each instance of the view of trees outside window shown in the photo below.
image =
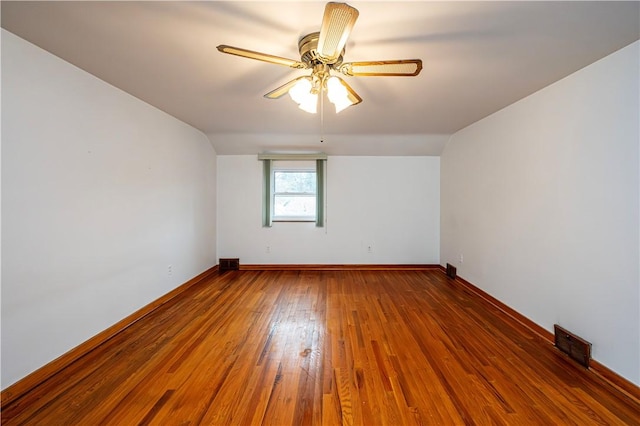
(294, 195)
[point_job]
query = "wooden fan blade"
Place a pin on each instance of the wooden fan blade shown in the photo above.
(337, 23)
(404, 67)
(278, 60)
(282, 90)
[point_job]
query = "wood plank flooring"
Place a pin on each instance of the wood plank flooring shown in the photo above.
(324, 348)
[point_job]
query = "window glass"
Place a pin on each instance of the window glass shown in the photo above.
(294, 207)
(294, 195)
(295, 181)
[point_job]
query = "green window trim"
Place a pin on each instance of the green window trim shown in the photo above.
(320, 193)
(267, 184)
(266, 194)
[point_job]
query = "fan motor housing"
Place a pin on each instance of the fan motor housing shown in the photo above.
(308, 45)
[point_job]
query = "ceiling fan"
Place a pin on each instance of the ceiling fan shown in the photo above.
(323, 52)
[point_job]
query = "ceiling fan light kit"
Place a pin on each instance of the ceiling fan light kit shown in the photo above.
(340, 94)
(323, 52)
(302, 94)
(306, 91)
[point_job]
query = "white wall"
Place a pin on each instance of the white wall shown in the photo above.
(391, 203)
(101, 193)
(541, 199)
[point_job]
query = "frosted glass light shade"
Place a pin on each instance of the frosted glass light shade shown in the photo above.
(310, 104)
(338, 94)
(301, 94)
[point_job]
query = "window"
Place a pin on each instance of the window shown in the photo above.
(294, 195)
(293, 188)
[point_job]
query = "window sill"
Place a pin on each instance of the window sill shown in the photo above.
(294, 220)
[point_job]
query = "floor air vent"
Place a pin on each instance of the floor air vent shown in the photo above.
(451, 271)
(577, 348)
(229, 264)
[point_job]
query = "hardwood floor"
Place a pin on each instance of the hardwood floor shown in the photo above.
(324, 347)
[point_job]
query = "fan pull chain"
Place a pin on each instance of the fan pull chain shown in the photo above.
(321, 116)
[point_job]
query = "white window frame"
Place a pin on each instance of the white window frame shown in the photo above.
(291, 167)
(320, 160)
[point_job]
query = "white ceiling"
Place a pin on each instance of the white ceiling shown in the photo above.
(478, 58)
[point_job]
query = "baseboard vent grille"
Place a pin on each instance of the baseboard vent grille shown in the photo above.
(451, 271)
(577, 348)
(229, 264)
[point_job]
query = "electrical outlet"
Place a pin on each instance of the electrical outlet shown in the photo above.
(170, 270)
(461, 258)
(370, 248)
(267, 249)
